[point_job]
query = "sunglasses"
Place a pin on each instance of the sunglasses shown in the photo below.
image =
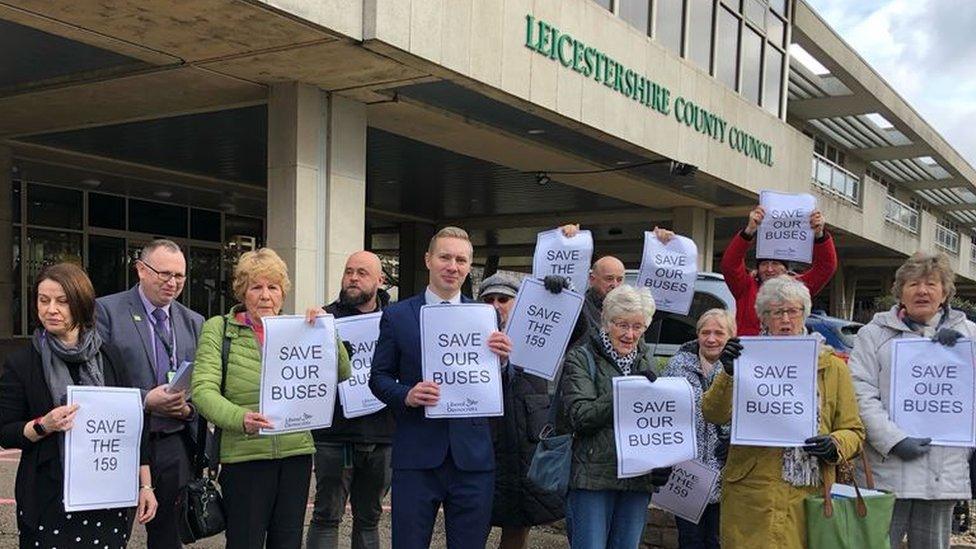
(503, 299)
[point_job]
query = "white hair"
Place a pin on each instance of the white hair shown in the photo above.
(781, 289)
(627, 300)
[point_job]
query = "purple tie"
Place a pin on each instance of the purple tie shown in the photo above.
(161, 326)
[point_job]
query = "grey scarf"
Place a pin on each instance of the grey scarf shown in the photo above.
(623, 362)
(55, 358)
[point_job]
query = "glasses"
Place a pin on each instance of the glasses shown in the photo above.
(503, 299)
(792, 312)
(625, 327)
(165, 276)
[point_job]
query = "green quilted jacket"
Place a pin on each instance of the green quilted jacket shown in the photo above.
(242, 392)
(588, 407)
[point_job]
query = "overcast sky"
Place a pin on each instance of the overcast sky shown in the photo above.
(925, 49)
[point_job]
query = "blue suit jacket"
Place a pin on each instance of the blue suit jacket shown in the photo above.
(421, 443)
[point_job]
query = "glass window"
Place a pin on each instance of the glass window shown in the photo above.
(239, 225)
(204, 281)
(157, 219)
(54, 207)
(604, 3)
(726, 48)
(751, 58)
(700, 32)
(668, 22)
(45, 247)
(636, 12)
(734, 4)
(106, 264)
(776, 30)
(205, 225)
(107, 211)
(772, 81)
(779, 6)
(17, 302)
(15, 201)
(755, 11)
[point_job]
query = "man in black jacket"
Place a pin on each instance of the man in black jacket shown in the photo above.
(352, 458)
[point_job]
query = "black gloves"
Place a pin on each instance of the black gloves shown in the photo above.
(348, 347)
(649, 374)
(722, 449)
(555, 283)
(732, 351)
(659, 477)
(910, 448)
(947, 337)
(823, 447)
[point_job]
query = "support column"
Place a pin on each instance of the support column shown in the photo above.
(6, 243)
(414, 239)
(842, 287)
(316, 187)
(697, 224)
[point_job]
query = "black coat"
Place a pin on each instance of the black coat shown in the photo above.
(517, 502)
(24, 396)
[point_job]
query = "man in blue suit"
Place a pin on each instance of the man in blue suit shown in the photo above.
(435, 461)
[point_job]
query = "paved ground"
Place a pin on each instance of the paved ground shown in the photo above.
(541, 538)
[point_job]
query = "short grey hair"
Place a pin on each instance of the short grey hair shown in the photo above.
(165, 243)
(724, 316)
(780, 289)
(924, 265)
(627, 300)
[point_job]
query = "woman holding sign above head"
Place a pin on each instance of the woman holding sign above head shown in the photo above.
(264, 478)
(763, 488)
(65, 350)
(927, 479)
(698, 362)
(607, 511)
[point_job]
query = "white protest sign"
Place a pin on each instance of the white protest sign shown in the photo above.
(557, 255)
(932, 391)
(298, 373)
(101, 451)
(454, 347)
(653, 423)
(785, 232)
(540, 326)
(669, 271)
(688, 490)
(361, 331)
(774, 397)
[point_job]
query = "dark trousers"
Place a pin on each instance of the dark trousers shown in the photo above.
(266, 499)
(359, 474)
(466, 496)
(170, 472)
(704, 535)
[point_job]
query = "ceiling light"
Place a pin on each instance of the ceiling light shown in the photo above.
(91, 182)
(536, 132)
(162, 194)
(542, 178)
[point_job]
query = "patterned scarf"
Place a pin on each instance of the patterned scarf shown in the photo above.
(55, 358)
(623, 362)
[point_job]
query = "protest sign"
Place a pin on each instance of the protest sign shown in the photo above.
(932, 390)
(557, 255)
(540, 326)
(455, 355)
(653, 423)
(687, 492)
(669, 271)
(298, 373)
(101, 450)
(785, 232)
(361, 331)
(774, 397)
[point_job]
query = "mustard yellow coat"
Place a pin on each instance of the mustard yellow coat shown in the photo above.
(759, 508)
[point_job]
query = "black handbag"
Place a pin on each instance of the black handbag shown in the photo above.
(200, 505)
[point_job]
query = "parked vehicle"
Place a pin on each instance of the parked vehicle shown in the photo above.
(839, 333)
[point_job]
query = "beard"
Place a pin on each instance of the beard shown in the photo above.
(350, 299)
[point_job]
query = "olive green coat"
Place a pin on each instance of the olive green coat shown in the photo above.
(588, 409)
(759, 508)
(242, 392)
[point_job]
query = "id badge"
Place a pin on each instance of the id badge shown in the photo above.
(169, 376)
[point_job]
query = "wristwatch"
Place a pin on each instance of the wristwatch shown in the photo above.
(39, 427)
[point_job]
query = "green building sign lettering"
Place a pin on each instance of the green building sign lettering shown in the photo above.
(590, 62)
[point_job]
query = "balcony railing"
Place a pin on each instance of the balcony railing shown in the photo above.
(946, 238)
(972, 252)
(835, 180)
(901, 214)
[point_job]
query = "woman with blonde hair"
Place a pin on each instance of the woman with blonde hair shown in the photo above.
(264, 479)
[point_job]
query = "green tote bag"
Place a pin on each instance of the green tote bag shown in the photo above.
(845, 523)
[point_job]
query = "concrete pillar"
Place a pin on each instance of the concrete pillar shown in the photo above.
(316, 187)
(6, 243)
(414, 239)
(842, 287)
(697, 224)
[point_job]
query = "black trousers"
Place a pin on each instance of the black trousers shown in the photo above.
(704, 535)
(265, 502)
(171, 471)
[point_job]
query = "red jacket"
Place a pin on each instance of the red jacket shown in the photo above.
(744, 285)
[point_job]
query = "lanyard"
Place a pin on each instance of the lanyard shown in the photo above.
(167, 346)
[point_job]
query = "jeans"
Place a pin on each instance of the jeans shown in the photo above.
(926, 522)
(358, 473)
(608, 519)
(704, 535)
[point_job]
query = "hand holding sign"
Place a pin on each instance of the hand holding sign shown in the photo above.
(540, 325)
(669, 270)
(653, 423)
(362, 332)
(569, 256)
(785, 233)
(688, 490)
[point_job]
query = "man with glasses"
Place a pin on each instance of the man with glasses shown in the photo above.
(155, 334)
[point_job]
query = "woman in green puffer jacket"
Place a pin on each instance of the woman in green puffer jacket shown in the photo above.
(264, 478)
